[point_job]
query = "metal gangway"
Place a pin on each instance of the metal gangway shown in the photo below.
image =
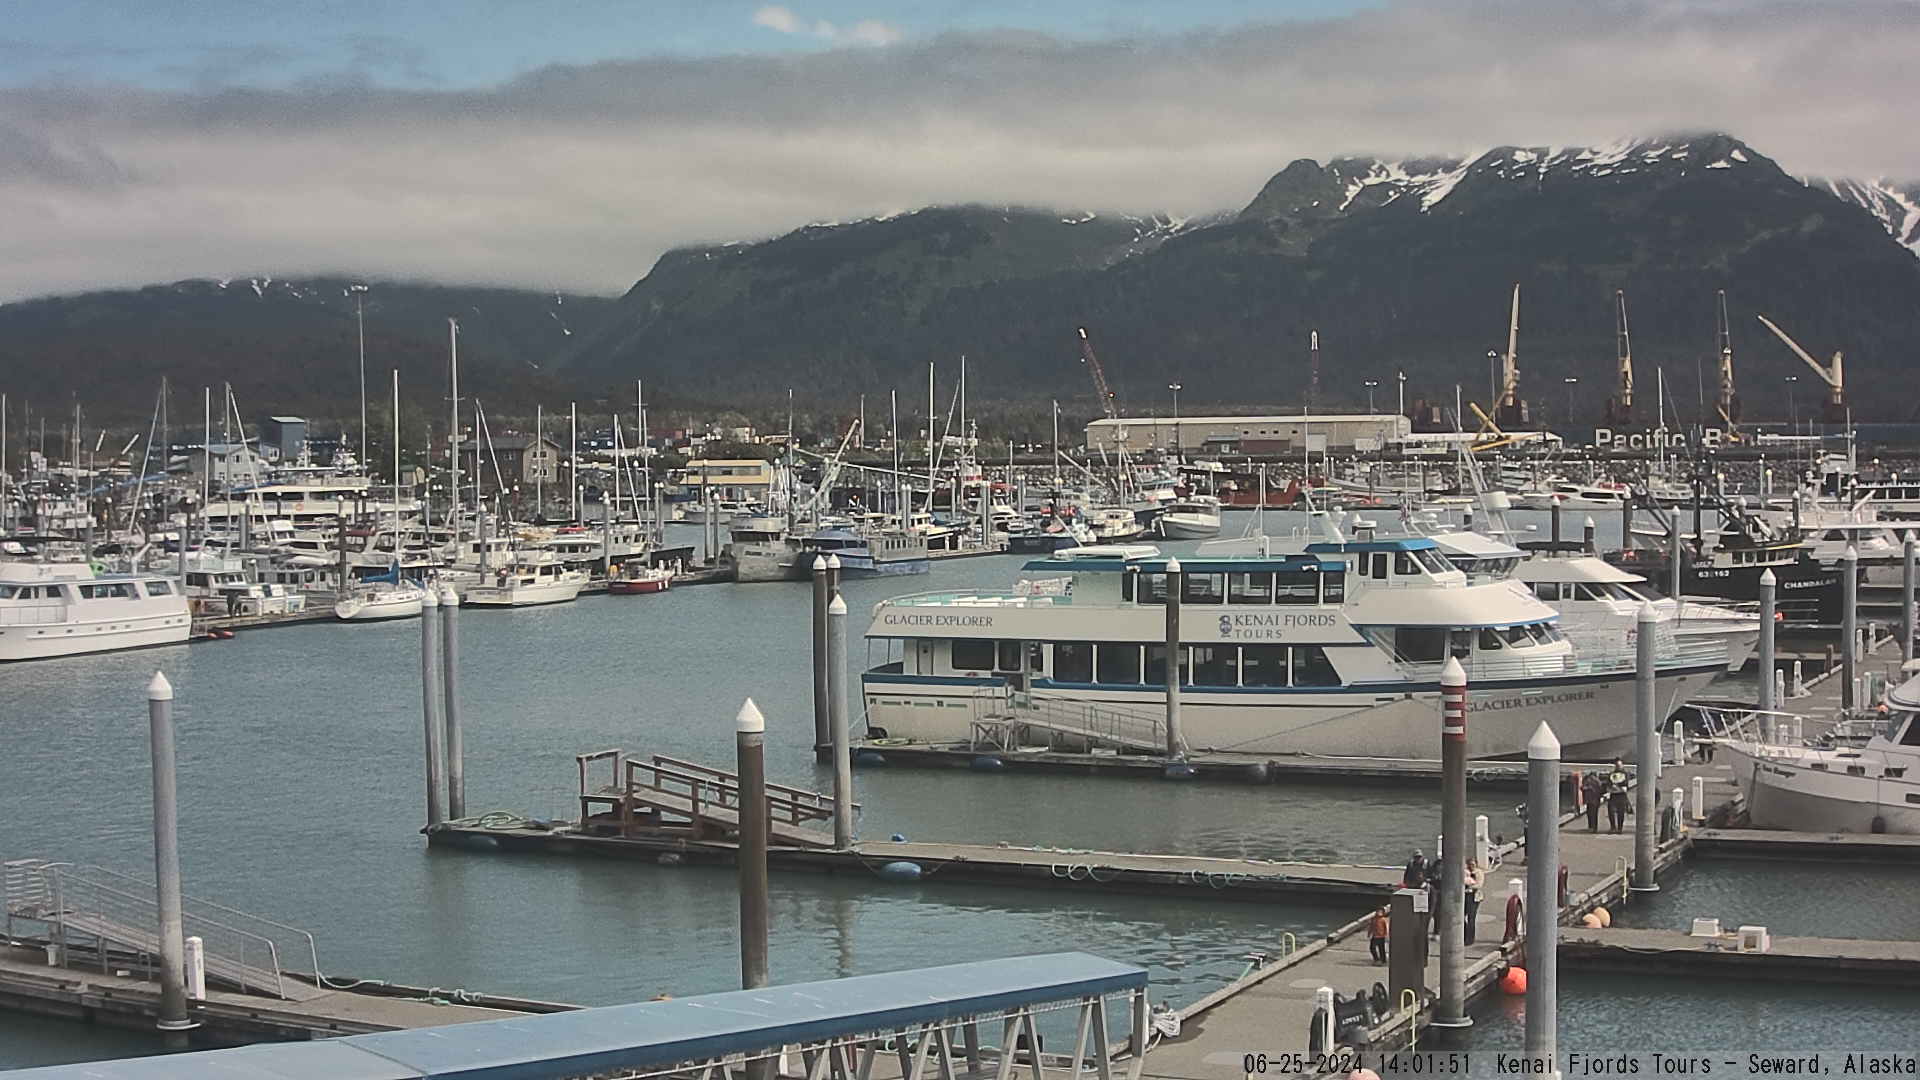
(92, 915)
(648, 796)
(1009, 722)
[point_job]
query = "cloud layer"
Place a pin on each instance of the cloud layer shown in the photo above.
(579, 177)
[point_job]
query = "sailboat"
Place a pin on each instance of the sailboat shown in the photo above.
(387, 597)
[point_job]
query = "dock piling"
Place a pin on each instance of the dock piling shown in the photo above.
(1482, 843)
(1768, 701)
(1679, 744)
(1906, 598)
(1849, 630)
(1320, 1039)
(1646, 756)
(456, 743)
(842, 735)
(1556, 523)
(1676, 576)
(1176, 581)
(173, 1023)
(1451, 1011)
(822, 728)
(750, 742)
(430, 688)
(1699, 797)
(1590, 536)
(196, 973)
(1542, 912)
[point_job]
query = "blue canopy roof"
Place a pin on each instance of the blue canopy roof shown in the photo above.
(653, 1033)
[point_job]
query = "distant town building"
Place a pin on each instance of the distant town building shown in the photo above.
(513, 460)
(282, 437)
(1359, 433)
(227, 464)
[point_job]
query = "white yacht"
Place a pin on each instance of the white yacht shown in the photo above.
(1333, 650)
(1192, 517)
(1599, 603)
(761, 549)
(1571, 496)
(1871, 788)
(375, 600)
(50, 609)
(533, 577)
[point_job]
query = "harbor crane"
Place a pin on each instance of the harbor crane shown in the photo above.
(1511, 410)
(1100, 387)
(1620, 406)
(1729, 403)
(1831, 374)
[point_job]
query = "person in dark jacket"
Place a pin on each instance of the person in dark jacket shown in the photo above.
(1593, 792)
(1415, 876)
(1617, 796)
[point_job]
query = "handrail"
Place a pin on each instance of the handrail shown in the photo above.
(704, 791)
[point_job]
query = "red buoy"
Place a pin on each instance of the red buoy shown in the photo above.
(1514, 982)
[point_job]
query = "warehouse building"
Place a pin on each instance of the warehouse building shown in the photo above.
(1258, 435)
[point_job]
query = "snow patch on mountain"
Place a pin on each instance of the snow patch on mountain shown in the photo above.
(1895, 203)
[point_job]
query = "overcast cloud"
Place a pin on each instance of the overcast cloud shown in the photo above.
(579, 177)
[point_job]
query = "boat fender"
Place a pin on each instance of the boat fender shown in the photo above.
(1590, 921)
(669, 858)
(986, 763)
(898, 838)
(1606, 917)
(869, 758)
(224, 635)
(1514, 982)
(900, 871)
(1313, 1032)
(1515, 907)
(1179, 770)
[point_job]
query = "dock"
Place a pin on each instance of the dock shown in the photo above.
(1849, 961)
(1880, 849)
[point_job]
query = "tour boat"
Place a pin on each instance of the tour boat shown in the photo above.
(50, 609)
(534, 577)
(375, 600)
(1336, 649)
(1600, 603)
(636, 577)
(1871, 788)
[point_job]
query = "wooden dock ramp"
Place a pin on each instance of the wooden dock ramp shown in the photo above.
(662, 795)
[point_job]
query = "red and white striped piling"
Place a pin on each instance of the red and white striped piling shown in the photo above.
(1452, 1009)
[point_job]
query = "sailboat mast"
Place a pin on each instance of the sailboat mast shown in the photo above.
(453, 427)
(396, 467)
(540, 474)
(573, 461)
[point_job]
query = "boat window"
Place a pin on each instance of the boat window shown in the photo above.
(972, 655)
(1073, 661)
(1435, 562)
(159, 588)
(1312, 668)
(1152, 589)
(1009, 656)
(1117, 663)
(1380, 565)
(1127, 581)
(1156, 666)
(1213, 665)
(1333, 586)
(1404, 565)
(1036, 656)
(1420, 644)
(1538, 632)
(1517, 637)
(1491, 640)
(6, 592)
(1856, 770)
(1911, 736)
(1203, 589)
(1263, 665)
(1547, 590)
(1250, 588)
(1296, 587)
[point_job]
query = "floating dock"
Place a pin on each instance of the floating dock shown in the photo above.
(1804, 959)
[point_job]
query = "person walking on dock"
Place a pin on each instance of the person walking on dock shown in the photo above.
(1476, 878)
(1377, 936)
(1617, 796)
(1593, 792)
(1415, 876)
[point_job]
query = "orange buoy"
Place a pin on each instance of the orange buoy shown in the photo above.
(1590, 921)
(1514, 981)
(1606, 917)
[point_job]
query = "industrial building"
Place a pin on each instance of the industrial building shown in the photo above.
(1250, 434)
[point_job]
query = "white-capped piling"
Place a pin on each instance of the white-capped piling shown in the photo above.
(173, 1022)
(1679, 730)
(750, 739)
(822, 593)
(456, 742)
(1676, 570)
(1768, 684)
(1849, 629)
(1176, 582)
(1646, 756)
(1589, 538)
(431, 688)
(1451, 1012)
(1543, 891)
(1699, 798)
(842, 733)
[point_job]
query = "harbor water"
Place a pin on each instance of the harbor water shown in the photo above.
(301, 800)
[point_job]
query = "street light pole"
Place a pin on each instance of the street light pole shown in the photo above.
(1570, 381)
(1793, 419)
(1371, 383)
(1402, 376)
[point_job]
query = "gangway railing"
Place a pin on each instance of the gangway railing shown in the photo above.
(1002, 721)
(118, 917)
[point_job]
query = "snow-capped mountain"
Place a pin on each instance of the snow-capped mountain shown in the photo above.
(1895, 203)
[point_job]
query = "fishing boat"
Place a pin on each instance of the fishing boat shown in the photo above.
(372, 601)
(636, 578)
(534, 577)
(50, 608)
(1191, 517)
(1869, 788)
(874, 553)
(1336, 649)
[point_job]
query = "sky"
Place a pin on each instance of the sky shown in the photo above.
(567, 145)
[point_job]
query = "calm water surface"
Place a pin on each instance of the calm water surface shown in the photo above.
(301, 797)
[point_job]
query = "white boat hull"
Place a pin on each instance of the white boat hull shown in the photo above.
(1190, 526)
(1782, 795)
(1592, 715)
(52, 640)
(558, 592)
(362, 609)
